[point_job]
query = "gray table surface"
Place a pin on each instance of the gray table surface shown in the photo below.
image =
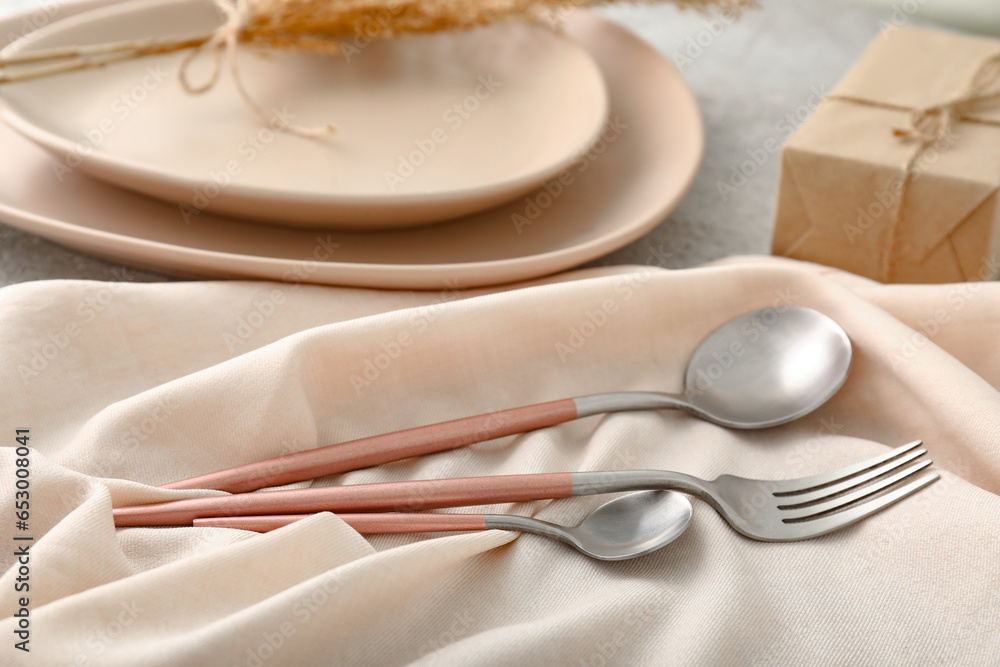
(748, 79)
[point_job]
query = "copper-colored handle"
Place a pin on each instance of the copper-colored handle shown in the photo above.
(389, 522)
(385, 497)
(379, 449)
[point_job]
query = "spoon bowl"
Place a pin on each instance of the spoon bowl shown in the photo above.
(630, 526)
(767, 367)
(761, 369)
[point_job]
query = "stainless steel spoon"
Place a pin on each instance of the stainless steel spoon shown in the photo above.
(627, 527)
(763, 368)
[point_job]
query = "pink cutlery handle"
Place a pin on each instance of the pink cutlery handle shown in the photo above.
(363, 523)
(384, 497)
(378, 449)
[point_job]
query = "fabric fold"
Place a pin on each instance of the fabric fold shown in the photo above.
(168, 381)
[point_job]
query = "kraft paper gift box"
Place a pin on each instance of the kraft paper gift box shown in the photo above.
(895, 175)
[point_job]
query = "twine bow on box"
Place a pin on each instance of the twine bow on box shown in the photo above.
(929, 125)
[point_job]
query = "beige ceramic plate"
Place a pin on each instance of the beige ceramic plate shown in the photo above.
(432, 127)
(625, 187)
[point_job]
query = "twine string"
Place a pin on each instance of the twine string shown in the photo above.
(929, 125)
(224, 43)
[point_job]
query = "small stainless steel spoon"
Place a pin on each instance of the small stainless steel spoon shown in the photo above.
(764, 368)
(627, 527)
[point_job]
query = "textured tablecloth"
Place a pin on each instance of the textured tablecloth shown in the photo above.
(754, 80)
(123, 386)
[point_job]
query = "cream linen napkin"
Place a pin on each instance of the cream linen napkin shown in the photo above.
(124, 386)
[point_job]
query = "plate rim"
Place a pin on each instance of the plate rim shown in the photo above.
(116, 169)
(133, 250)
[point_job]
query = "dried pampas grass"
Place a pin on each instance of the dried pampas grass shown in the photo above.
(326, 25)
(323, 23)
(315, 25)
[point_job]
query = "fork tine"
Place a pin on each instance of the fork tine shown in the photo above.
(797, 501)
(807, 513)
(803, 484)
(833, 522)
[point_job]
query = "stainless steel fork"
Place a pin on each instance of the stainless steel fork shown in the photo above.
(786, 510)
(770, 510)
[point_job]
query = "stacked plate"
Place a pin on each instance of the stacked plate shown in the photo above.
(459, 159)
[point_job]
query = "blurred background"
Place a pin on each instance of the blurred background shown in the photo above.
(975, 15)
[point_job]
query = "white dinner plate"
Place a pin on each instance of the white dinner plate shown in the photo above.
(430, 127)
(632, 179)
